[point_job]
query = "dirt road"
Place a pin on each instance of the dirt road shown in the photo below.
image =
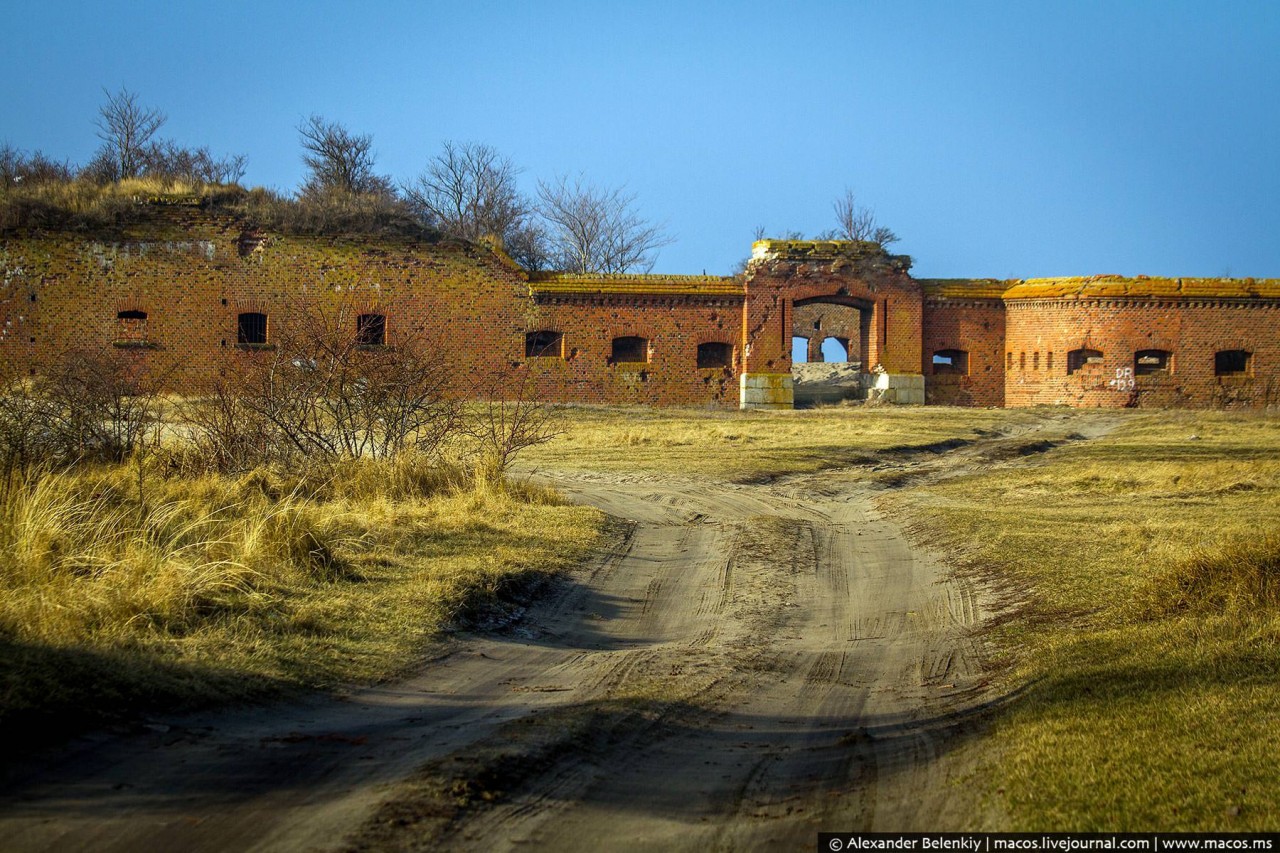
(751, 664)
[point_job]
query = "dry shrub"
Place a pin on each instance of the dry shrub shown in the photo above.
(88, 405)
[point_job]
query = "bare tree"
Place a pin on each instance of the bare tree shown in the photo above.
(591, 229)
(511, 419)
(339, 160)
(167, 159)
(126, 129)
(18, 169)
(326, 393)
(527, 245)
(855, 222)
(97, 404)
(469, 190)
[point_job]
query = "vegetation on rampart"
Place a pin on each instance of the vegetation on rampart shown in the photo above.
(467, 191)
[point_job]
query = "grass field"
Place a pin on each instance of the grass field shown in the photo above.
(1147, 654)
(212, 588)
(1150, 650)
(1142, 570)
(746, 446)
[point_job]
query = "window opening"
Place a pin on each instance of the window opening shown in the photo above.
(835, 350)
(371, 330)
(954, 361)
(715, 354)
(251, 328)
(1232, 362)
(1079, 358)
(543, 344)
(799, 350)
(1151, 361)
(630, 349)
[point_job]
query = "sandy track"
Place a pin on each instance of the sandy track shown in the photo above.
(814, 673)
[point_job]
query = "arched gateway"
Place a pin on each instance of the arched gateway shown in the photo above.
(852, 293)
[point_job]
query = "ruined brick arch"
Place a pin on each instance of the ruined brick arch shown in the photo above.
(860, 340)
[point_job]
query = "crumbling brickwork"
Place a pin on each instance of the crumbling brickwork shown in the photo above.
(964, 317)
(785, 276)
(191, 294)
(1176, 326)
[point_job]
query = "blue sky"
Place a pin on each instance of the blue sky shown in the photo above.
(1005, 139)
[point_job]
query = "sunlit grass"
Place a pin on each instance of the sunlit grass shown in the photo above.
(1152, 644)
(746, 446)
(211, 588)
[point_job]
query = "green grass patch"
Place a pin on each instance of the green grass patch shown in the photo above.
(1150, 645)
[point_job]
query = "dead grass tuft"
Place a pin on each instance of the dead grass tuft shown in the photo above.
(118, 598)
(1237, 578)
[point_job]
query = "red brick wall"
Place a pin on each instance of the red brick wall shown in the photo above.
(818, 321)
(1191, 329)
(192, 273)
(977, 327)
(893, 301)
(673, 325)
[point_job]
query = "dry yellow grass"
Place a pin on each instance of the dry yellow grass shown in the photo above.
(745, 446)
(216, 588)
(1151, 650)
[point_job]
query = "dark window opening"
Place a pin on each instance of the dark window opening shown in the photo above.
(131, 327)
(543, 344)
(715, 355)
(629, 349)
(1232, 362)
(955, 361)
(835, 350)
(371, 330)
(799, 350)
(1035, 361)
(1010, 361)
(817, 325)
(251, 328)
(1022, 361)
(1077, 359)
(1048, 361)
(1150, 361)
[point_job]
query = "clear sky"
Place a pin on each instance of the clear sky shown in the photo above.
(1004, 139)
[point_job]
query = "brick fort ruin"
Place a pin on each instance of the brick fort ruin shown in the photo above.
(197, 292)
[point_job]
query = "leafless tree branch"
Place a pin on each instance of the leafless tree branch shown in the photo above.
(127, 128)
(592, 229)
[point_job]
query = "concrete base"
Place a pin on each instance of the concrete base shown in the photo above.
(767, 391)
(905, 388)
